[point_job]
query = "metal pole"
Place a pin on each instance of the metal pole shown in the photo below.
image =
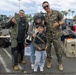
(69, 15)
(19, 4)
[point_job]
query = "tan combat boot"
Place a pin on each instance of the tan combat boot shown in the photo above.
(60, 67)
(16, 68)
(23, 62)
(49, 64)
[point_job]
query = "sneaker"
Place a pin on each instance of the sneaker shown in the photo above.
(49, 64)
(41, 69)
(16, 68)
(32, 66)
(35, 70)
(60, 67)
(23, 62)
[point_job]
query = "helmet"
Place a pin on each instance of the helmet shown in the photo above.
(38, 16)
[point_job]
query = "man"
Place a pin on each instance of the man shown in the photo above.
(19, 30)
(53, 20)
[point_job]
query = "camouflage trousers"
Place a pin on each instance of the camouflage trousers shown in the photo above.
(56, 41)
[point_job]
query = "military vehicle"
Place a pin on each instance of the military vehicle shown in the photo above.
(4, 32)
(3, 19)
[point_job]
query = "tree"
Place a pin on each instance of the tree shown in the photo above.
(69, 13)
(74, 17)
(64, 13)
(29, 17)
(72, 13)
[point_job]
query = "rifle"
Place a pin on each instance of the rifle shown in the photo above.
(37, 37)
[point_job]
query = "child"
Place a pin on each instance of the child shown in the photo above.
(40, 43)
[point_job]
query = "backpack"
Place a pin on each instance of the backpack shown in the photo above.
(5, 42)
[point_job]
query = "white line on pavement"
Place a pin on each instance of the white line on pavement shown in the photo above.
(20, 67)
(4, 64)
(7, 53)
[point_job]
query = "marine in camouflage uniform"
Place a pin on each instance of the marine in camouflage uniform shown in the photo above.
(53, 32)
(19, 28)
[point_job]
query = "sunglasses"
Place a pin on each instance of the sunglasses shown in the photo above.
(46, 6)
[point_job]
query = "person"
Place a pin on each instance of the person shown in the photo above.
(40, 44)
(19, 30)
(38, 19)
(53, 21)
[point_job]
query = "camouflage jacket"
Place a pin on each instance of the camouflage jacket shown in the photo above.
(42, 42)
(49, 20)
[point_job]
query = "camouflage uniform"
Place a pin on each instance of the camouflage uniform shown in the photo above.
(53, 35)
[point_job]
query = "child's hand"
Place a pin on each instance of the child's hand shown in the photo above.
(39, 48)
(34, 35)
(46, 48)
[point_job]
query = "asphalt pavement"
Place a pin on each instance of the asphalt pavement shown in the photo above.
(6, 65)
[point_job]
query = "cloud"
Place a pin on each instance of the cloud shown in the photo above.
(7, 6)
(31, 6)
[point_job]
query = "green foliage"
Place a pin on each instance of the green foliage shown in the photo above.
(64, 12)
(29, 17)
(74, 17)
(3, 20)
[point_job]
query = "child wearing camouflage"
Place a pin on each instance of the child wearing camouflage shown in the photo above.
(40, 43)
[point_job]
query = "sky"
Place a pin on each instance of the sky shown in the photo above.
(9, 7)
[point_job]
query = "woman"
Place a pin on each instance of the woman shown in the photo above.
(38, 19)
